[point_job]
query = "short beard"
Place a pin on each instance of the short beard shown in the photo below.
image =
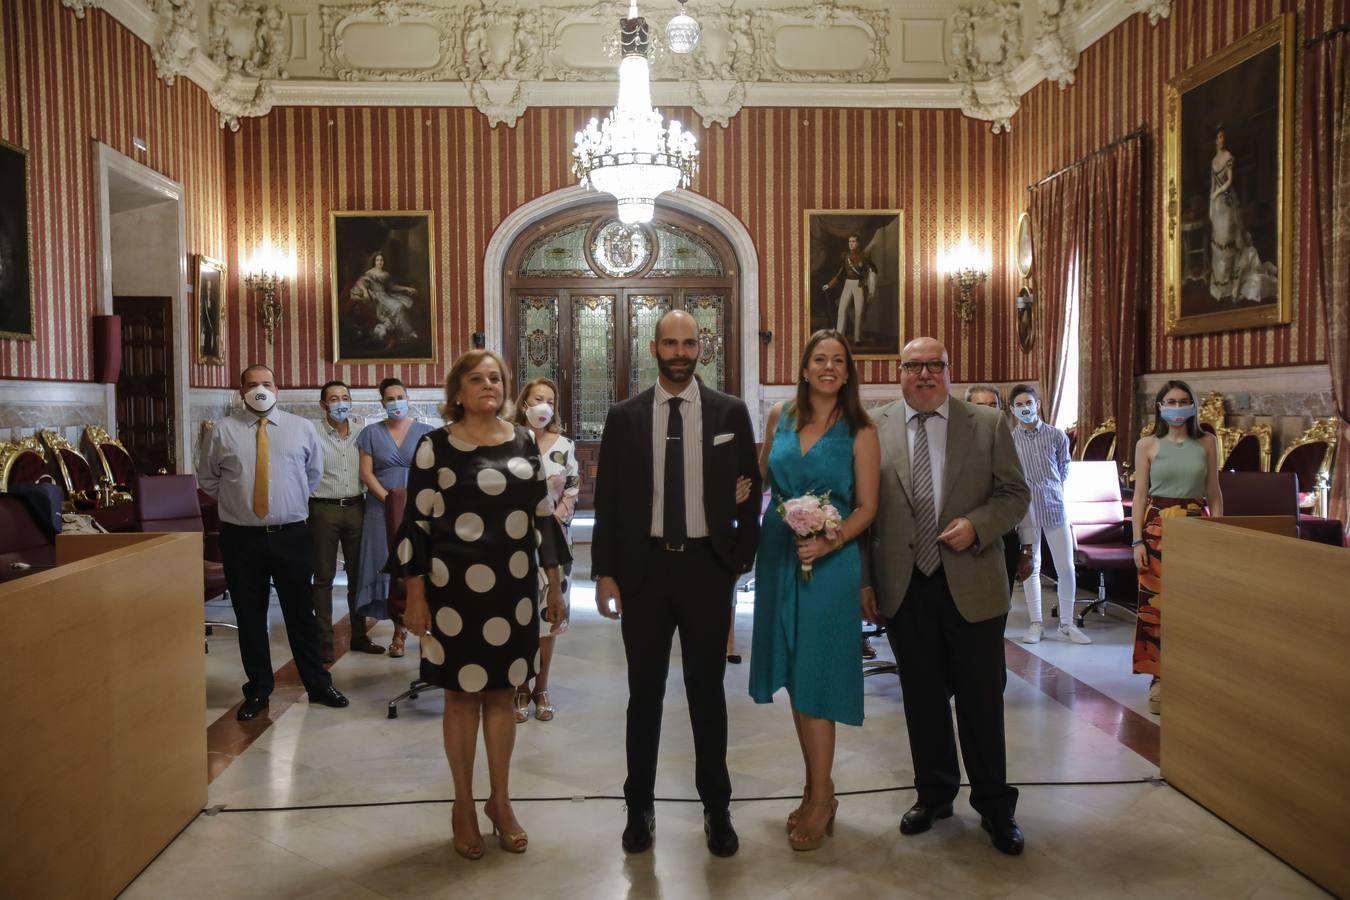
(673, 374)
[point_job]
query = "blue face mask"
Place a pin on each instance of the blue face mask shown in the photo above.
(1176, 415)
(338, 412)
(396, 409)
(1026, 413)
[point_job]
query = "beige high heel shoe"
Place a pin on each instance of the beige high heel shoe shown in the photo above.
(522, 705)
(471, 852)
(805, 840)
(795, 816)
(510, 841)
(543, 707)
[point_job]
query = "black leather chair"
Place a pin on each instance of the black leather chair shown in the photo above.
(169, 503)
(27, 545)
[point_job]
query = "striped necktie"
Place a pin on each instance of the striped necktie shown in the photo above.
(926, 555)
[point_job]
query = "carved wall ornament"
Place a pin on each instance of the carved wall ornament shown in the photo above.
(986, 45)
(335, 20)
(1156, 10)
(717, 101)
(79, 6)
(1055, 47)
(238, 97)
(869, 65)
(501, 101)
(246, 38)
(176, 46)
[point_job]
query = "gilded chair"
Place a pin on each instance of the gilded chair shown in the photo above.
(77, 476)
(1211, 413)
(1245, 451)
(1101, 442)
(119, 472)
(22, 461)
(1309, 457)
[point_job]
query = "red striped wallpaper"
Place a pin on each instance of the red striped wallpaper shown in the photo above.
(1119, 86)
(69, 82)
(288, 170)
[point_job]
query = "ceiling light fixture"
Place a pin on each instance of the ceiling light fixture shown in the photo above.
(631, 154)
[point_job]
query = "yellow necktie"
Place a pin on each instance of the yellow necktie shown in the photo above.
(260, 466)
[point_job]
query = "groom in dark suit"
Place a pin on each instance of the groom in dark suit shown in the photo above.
(669, 543)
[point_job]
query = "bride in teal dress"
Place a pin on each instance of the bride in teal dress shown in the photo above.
(806, 632)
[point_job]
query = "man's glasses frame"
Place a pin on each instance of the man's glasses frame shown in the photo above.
(934, 366)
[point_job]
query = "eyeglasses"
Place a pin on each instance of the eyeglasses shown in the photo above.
(1175, 404)
(934, 366)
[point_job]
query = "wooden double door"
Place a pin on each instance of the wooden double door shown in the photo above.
(583, 299)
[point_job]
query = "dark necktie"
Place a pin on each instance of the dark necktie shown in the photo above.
(673, 524)
(926, 555)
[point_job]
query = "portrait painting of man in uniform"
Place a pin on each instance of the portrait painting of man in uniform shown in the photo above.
(852, 278)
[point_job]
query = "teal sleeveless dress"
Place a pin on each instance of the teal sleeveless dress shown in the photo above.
(807, 633)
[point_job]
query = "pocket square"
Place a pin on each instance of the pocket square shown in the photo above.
(723, 438)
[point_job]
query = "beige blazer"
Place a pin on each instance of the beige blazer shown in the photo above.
(982, 481)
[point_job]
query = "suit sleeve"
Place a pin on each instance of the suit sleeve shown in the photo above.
(747, 463)
(1010, 497)
(604, 537)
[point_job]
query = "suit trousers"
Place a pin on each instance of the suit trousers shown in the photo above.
(256, 559)
(333, 525)
(854, 295)
(689, 592)
(940, 654)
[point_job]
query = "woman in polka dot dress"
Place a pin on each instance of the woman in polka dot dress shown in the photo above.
(478, 514)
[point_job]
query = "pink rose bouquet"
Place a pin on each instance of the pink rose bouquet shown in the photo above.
(811, 516)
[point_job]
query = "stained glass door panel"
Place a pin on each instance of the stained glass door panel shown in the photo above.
(709, 311)
(593, 362)
(537, 350)
(643, 311)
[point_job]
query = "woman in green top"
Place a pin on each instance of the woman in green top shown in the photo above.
(1178, 465)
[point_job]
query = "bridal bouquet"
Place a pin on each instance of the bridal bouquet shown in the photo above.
(811, 516)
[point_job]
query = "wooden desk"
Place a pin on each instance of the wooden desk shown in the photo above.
(1256, 698)
(104, 753)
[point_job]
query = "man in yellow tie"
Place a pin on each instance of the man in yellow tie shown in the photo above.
(262, 464)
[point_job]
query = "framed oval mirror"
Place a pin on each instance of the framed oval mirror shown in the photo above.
(1025, 332)
(1025, 256)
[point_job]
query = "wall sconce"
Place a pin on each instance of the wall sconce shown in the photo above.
(266, 273)
(766, 336)
(479, 340)
(968, 267)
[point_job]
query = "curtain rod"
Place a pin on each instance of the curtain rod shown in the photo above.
(1327, 35)
(1133, 135)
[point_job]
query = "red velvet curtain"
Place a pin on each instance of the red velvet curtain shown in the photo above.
(1056, 211)
(1326, 131)
(1110, 269)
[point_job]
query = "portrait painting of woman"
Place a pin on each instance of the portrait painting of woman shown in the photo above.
(384, 297)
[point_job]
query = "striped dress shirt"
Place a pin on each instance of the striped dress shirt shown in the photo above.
(1044, 453)
(691, 413)
(295, 465)
(341, 463)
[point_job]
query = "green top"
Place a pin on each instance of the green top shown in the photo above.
(1179, 470)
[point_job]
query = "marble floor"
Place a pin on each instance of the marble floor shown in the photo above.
(348, 803)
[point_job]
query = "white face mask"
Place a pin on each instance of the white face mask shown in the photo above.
(260, 399)
(540, 414)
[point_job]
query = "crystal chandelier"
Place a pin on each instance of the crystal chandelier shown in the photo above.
(631, 154)
(682, 32)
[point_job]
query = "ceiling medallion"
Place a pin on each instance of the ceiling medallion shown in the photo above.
(632, 154)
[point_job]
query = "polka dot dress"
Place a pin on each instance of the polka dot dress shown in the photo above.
(471, 529)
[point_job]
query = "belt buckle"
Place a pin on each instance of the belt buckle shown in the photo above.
(345, 502)
(673, 548)
(269, 529)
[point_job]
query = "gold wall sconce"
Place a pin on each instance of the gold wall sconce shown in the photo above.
(967, 267)
(267, 273)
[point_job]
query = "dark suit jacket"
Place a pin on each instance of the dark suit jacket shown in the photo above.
(623, 487)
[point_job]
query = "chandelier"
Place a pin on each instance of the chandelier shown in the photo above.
(631, 154)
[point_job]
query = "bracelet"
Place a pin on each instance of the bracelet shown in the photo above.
(1138, 542)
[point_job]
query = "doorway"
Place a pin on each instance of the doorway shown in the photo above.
(582, 295)
(142, 277)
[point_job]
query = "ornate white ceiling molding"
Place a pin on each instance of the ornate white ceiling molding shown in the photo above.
(503, 56)
(79, 6)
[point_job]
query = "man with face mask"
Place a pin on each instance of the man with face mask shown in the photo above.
(335, 515)
(262, 465)
(951, 487)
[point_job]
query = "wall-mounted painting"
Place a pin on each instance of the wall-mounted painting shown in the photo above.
(851, 259)
(208, 310)
(1228, 197)
(384, 295)
(16, 242)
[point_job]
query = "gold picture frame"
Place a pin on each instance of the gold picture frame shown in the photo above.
(208, 310)
(18, 314)
(881, 234)
(1227, 199)
(383, 311)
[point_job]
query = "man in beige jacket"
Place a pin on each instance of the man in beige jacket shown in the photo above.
(951, 486)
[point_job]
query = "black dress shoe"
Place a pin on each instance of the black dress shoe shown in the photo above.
(367, 647)
(637, 834)
(921, 816)
(734, 659)
(722, 839)
(1006, 835)
(329, 696)
(249, 709)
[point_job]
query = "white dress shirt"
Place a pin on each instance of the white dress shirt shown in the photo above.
(295, 465)
(341, 463)
(937, 447)
(691, 414)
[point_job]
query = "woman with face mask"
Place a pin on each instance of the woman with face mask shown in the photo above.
(536, 409)
(1177, 464)
(386, 452)
(1044, 453)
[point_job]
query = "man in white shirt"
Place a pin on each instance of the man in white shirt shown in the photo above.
(262, 465)
(336, 511)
